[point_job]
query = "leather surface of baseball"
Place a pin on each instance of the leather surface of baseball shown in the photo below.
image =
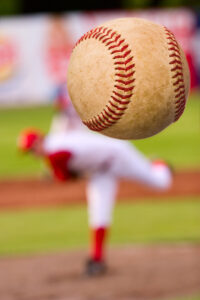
(128, 78)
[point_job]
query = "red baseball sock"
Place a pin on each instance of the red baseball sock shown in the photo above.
(98, 241)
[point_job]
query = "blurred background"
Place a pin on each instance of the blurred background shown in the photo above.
(36, 40)
(35, 44)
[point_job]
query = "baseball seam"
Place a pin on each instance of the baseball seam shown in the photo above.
(177, 73)
(124, 77)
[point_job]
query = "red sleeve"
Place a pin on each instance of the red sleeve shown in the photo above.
(59, 164)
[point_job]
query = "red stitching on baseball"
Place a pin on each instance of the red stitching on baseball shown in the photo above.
(125, 75)
(125, 82)
(178, 79)
(180, 94)
(176, 75)
(123, 62)
(102, 120)
(125, 69)
(179, 87)
(176, 68)
(108, 115)
(114, 112)
(120, 50)
(124, 55)
(103, 36)
(174, 55)
(120, 101)
(123, 89)
(107, 118)
(116, 45)
(105, 40)
(100, 125)
(173, 48)
(121, 96)
(179, 101)
(175, 61)
(117, 107)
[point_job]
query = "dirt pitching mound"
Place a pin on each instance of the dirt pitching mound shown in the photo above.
(135, 273)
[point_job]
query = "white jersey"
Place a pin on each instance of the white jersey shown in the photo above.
(105, 160)
(91, 152)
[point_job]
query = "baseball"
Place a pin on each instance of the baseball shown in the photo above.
(128, 78)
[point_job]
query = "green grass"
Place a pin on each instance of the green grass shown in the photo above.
(179, 143)
(47, 230)
(12, 121)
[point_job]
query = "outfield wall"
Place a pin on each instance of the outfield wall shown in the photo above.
(35, 50)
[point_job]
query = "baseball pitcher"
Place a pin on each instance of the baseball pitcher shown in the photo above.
(103, 161)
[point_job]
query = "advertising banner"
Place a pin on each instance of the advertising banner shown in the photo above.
(35, 50)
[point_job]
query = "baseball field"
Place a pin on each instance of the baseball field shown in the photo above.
(154, 244)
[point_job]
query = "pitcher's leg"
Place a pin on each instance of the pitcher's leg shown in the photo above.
(132, 164)
(101, 192)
